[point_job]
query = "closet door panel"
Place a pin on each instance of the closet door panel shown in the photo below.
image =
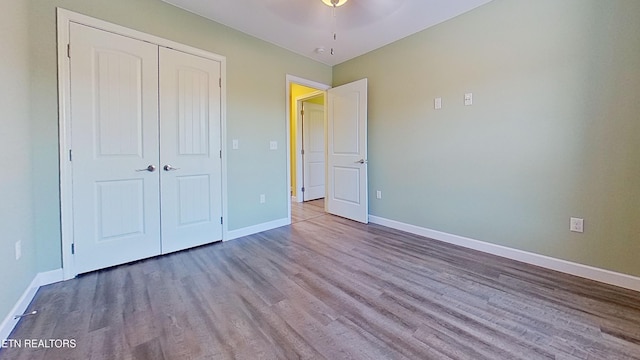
(114, 122)
(190, 116)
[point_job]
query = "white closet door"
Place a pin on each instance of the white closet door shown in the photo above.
(114, 114)
(190, 115)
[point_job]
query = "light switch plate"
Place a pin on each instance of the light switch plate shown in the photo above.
(468, 99)
(235, 144)
(437, 103)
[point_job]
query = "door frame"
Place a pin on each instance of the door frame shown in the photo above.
(292, 79)
(64, 18)
(299, 163)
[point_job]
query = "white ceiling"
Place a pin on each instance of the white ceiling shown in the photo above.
(302, 26)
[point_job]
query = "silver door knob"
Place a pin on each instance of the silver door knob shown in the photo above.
(170, 168)
(150, 168)
(361, 161)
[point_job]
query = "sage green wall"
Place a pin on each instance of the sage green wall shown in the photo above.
(16, 201)
(256, 105)
(554, 131)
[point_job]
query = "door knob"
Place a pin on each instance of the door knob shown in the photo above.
(361, 161)
(170, 168)
(150, 168)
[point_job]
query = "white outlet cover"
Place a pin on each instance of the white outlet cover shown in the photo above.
(379, 194)
(263, 198)
(273, 145)
(576, 225)
(235, 144)
(437, 103)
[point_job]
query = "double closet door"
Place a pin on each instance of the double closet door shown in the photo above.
(145, 149)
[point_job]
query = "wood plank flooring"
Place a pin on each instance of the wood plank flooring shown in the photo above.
(329, 288)
(307, 210)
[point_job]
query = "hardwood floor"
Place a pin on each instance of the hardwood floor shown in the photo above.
(307, 210)
(329, 288)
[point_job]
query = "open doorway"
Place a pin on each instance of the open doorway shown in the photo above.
(309, 169)
(345, 147)
(308, 96)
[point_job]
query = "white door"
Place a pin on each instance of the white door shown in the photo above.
(114, 120)
(190, 115)
(313, 151)
(347, 193)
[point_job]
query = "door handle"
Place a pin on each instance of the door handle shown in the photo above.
(170, 168)
(150, 168)
(361, 161)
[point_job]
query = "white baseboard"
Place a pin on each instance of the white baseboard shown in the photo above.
(568, 267)
(250, 230)
(41, 279)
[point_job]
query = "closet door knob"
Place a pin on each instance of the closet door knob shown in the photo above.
(170, 168)
(150, 168)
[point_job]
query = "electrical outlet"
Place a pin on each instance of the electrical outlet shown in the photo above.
(18, 249)
(263, 199)
(437, 103)
(273, 145)
(576, 225)
(235, 144)
(378, 194)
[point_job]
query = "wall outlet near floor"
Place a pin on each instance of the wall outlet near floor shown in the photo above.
(18, 249)
(273, 145)
(378, 194)
(576, 225)
(263, 199)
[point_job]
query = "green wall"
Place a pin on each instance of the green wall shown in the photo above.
(256, 105)
(16, 200)
(554, 131)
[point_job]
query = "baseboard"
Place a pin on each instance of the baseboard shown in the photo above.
(568, 267)
(250, 230)
(41, 279)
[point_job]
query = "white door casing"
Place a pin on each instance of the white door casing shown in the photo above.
(313, 151)
(114, 107)
(190, 113)
(347, 184)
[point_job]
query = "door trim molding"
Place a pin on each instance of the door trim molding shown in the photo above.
(292, 79)
(297, 104)
(64, 19)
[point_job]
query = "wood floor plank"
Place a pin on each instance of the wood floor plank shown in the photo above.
(329, 288)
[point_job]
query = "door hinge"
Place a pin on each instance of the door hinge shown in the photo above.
(220, 154)
(220, 220)
(302, 152)
(69, 51)
(73, 249)
(220, 82)
(302, 189)
(70, 155)
(302, 112)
